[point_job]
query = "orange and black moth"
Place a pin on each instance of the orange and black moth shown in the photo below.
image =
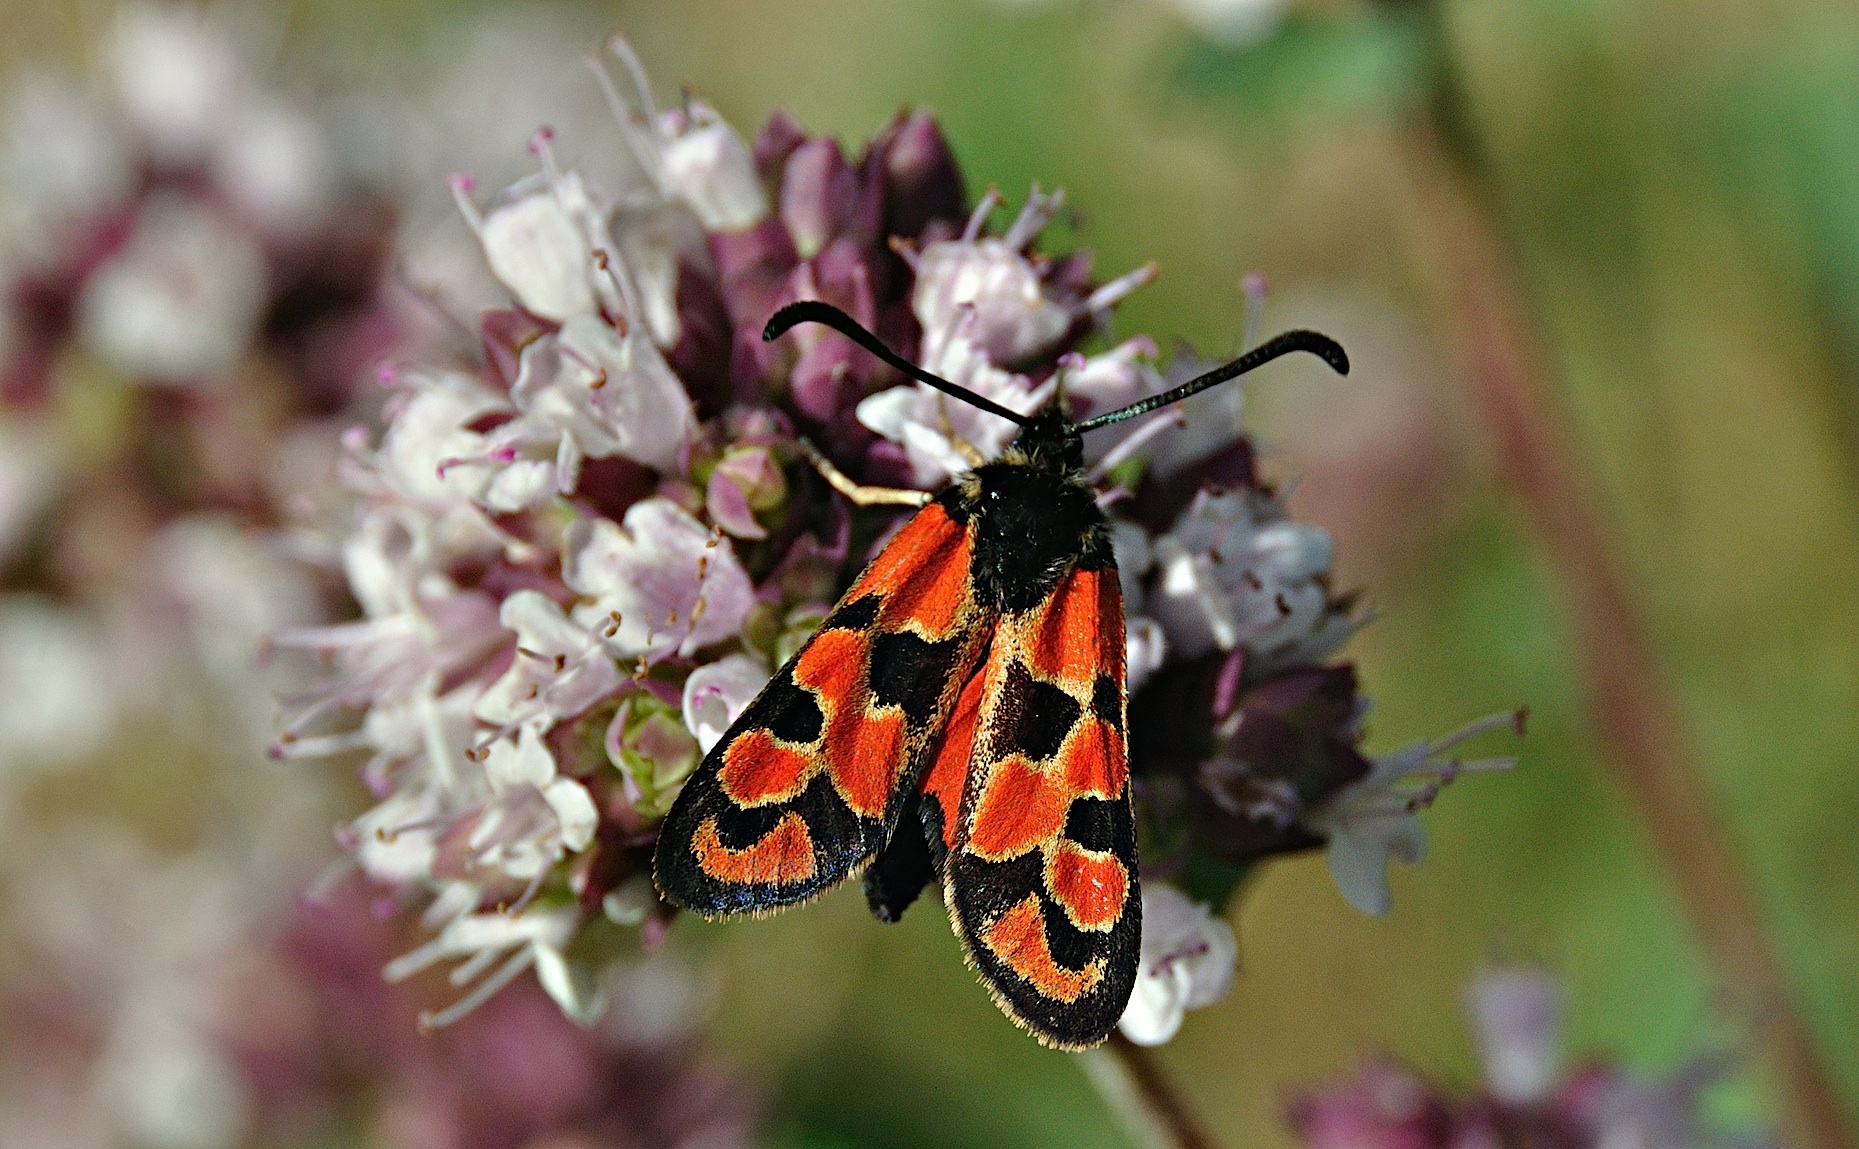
(960, 714)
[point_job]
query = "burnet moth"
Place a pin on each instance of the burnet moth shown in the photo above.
(960, 714)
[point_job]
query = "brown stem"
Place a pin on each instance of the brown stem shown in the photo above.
(1137, 1088)
(1626, 693)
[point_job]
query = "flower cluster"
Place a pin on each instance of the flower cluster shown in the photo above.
(168, 232)
(580, 556)
(1526, 1097)
(189, 281)
(314, 1018)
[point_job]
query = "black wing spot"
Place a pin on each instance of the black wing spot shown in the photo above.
(858, 614)
(906, 671)
(1107, 702)
(785, 710)
(1092, 823)
(1035, 716)
(1071, 946)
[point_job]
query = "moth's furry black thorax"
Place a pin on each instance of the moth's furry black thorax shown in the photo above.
(1036, 517)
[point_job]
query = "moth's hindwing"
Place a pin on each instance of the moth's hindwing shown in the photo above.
(1041, 869)
(808, 782)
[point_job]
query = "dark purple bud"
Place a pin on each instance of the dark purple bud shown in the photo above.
(775, 143)
(832, 374)
(1386, 1106)
(1234, 784)
(922, 181)
(705, 338)
(824, 198)
(753, 268)
(613, 484)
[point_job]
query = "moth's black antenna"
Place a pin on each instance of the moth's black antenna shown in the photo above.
(813, 311)
(1322, 346)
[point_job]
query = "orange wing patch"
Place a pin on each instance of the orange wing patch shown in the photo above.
(1090, 885)
(758, 769)
(1018, 939)
(949, 771)
(1068, 640)
(1021, 807)
(782, 857)
(922, 541)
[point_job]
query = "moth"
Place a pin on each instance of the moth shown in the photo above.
(960, 714)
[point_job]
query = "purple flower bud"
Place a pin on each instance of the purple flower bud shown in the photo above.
(705, 338)
(753, 267)
(776, 142)
(923, 181)
(747, 480)
(824, 198)
(1386, 1106)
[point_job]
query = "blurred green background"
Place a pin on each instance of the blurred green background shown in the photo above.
(1681, 184)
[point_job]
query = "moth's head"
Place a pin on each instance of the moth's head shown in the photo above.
(1050, 441)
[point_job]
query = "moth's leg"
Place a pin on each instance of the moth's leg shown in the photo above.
(859, 493)
(962, 446)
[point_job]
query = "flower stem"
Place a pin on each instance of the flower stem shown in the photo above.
(1138, 1090)
(1627, 697)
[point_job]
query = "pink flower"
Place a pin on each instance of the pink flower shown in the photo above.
(560, 669)
(1187, 963)
(1236, 571)
(1373, 820)
(668, 584)
(715, 694)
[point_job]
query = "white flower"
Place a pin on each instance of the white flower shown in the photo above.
(559, 670)
(565, 252)
(400, 654)
(59, 705)
(1115, 378)
(1516, 1019)
(711, 168)
(717, 692)
(397, 842)
(932, 426)
(1145, 648)
(591, 391)
(988, 291)
(430, 435)
(1187, 963)
(182, 299)
(689, 153)
(512, 834)
(61, 160)
(165, 1081)
(1236, 572)
(663, 582)
(1375, 818)
(232, 589)
(535, 937)
(537, 245)
(1234, 23)
(1135, 559)
(178, 77)
(277, 166)
(146, 947)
